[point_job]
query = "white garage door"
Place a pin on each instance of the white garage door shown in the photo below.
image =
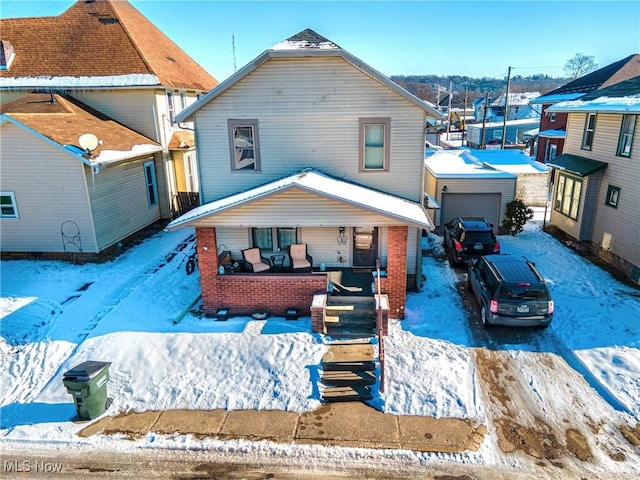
(485, 205)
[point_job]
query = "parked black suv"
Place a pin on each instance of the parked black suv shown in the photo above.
(467, 238)
(510, 291)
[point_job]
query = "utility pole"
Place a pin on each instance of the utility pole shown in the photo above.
(449, 109)
(464, 115)
(506, 109)
(484, 119)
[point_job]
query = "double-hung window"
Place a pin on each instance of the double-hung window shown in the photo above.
(626, 135)
(150, 180)
(375, 134)
(8, 206)
(243, 142)
(589, 131)
(568, 195)
(273, 239)
(171, 108)
(613, 195)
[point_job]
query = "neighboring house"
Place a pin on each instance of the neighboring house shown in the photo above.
(106, 54)
(308, 144)
(596, 194)
(489, 135)
(552, 130)
(57, 198)
(518, 107)
(463, 186)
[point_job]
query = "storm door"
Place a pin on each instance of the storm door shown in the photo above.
(365, 246)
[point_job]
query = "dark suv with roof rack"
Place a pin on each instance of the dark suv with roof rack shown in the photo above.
(468, 238)
(510, 291)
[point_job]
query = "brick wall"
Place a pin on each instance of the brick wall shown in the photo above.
(396, 282)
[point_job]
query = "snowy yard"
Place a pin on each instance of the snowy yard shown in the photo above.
(578, 382)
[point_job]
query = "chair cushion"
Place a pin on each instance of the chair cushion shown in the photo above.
(252, 255)
(300, 263)
(298, 251)
(260, 267)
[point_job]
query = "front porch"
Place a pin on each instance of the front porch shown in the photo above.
(280, 289)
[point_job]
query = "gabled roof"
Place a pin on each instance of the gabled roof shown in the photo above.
(61, 120)
(306, 44)
(578, 165)
(96, 43)
(616, 72)
(623, 97)
(320, 183)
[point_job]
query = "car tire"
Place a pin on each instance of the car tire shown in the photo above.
(484, 317)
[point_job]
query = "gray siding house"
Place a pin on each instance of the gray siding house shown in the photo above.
(596, 194)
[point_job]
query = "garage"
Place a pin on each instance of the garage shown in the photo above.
(482, 205)
(463, 186)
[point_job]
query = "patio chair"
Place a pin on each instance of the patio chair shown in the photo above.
(255, 261)
(300, 259)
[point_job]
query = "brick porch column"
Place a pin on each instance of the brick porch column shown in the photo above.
(397, 270)
(207, 246)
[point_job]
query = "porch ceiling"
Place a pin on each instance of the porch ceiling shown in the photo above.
(307, 198)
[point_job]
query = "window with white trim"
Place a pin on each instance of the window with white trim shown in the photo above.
(626, 135)
(613, 195)
(170, 106)
(589, 131)
(8, 205)
(568, 195)
(150, 180)
(243, 142)
(552, 117)
(375, 134)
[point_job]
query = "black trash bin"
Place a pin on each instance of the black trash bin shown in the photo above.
(87, 383)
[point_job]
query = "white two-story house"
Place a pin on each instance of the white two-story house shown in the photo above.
(307, 145)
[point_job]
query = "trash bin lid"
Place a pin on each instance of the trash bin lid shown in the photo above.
(88, 369)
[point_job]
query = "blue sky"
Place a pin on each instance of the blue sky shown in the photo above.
(473, 38)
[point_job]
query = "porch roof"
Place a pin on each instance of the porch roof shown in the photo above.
(575, 164)
(404, 211)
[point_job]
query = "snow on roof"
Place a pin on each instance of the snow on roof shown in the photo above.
(461, 164)
(512, 161)
(522, 121)
(629, 104)
(130, 80)
(553, 133)
(318, 182)
(560, 97)
(106, 157)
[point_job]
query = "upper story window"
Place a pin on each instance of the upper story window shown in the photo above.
(552, 117)
(375, 136)
(568, 196)
(589, 131)
(8, 206)
(171, 106)
(183, 100)
(626, 135)
(243, 141)
(150, 180)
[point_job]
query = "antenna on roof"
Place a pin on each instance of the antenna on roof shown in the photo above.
(233, 49)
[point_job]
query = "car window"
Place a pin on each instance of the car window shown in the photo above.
(523, 292)
(477, 237)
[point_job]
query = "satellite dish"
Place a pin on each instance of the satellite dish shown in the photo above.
(88, 142)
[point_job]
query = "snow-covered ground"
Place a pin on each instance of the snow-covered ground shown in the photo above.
(583, 372)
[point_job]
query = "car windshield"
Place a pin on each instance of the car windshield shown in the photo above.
(477, 237)
(523, 292)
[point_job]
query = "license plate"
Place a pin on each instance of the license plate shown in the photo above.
(522, 309)
(478, 246)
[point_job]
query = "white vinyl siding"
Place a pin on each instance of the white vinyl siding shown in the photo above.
(309, 111)
(622, 223)
(120, 204)
(50, 186)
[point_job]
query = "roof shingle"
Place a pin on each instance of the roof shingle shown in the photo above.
(100, 38)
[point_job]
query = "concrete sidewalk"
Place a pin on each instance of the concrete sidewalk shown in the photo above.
(348, 424)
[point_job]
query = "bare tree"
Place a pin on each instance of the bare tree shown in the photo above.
(579, 65)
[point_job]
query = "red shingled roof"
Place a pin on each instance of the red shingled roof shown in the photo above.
(63, 120)
(99, 38)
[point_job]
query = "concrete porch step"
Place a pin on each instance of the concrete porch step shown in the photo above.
(346, 394)
(343, 378)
